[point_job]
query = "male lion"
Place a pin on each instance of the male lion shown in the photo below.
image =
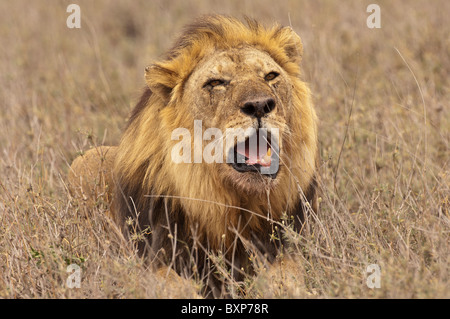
(227, 74)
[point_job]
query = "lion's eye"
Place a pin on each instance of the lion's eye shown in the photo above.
(214, 83)
(271, 76)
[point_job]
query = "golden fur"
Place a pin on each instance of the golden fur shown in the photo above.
(193, 209)
(90, 175)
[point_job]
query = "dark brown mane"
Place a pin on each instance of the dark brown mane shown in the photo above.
(140, 106)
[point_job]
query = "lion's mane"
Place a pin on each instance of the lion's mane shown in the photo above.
(187, 209)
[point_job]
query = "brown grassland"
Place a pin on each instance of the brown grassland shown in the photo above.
(381, 96)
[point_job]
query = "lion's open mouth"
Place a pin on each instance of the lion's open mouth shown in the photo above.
(257, 154)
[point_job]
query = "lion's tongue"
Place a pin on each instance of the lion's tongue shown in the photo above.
(253, 157)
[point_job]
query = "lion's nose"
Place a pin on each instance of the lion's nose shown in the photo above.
(258, 107)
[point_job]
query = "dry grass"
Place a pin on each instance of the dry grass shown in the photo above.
(382, 97)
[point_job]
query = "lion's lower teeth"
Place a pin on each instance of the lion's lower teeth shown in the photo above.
(265, 160)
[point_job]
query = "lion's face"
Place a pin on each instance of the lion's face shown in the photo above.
(243, 89)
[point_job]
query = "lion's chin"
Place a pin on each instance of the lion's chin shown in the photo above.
(251, 182)
(252, 171)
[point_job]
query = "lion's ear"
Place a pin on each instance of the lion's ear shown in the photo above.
(293, 45)
(160, 80)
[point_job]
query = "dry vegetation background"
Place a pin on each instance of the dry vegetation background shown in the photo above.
(381, 95)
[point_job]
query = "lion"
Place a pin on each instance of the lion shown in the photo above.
(228, 74)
